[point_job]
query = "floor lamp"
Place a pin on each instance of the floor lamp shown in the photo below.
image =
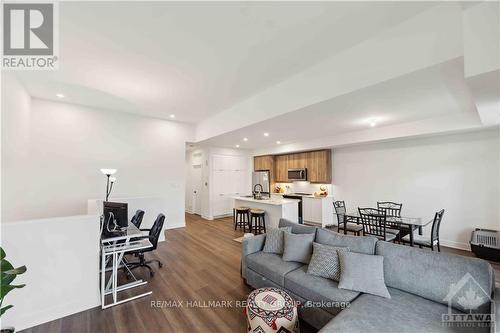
(109, 180)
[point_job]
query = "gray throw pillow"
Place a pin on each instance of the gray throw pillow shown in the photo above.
(298, 247)
(274, 240)
(325, 261)
(362, 272)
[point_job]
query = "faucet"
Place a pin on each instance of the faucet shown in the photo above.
(259, 191)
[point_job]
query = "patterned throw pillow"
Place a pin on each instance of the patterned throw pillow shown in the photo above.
(274, 240)
(325, 261)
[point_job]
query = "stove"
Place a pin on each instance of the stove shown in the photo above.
(297, 196)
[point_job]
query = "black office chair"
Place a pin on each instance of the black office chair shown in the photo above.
(137, 218)
(154, 235)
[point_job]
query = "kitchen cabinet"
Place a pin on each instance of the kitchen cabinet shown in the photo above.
(281, 168)
(263, 163)
(297, 160)
(311, 209)
(318, 210)
(318, 165)
(230, 177)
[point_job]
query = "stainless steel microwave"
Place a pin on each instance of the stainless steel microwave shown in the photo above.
(297, 174)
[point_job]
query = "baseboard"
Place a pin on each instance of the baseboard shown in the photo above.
(455, 245)
(210, 218)
(221, 216)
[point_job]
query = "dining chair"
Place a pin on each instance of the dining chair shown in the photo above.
(392, 209)
(352, 224)
(434, 239)
(374, 224)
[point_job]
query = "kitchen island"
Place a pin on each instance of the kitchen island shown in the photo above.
(275, 208)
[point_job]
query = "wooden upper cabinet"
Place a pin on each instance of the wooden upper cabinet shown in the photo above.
(281, 168)
(319, 166)
(263, 163)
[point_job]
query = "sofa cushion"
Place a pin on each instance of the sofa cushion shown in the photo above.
(297, 228)
(403, 312)
(318, 289)
(354, 243)
(271, 266)
(362, 272)
(432, 274)
(274, 240)
(325, 261)
(298, 247)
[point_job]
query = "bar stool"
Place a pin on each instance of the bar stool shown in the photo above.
(241, 217)
(258, 220)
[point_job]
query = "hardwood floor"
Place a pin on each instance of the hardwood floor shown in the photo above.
(201, 262)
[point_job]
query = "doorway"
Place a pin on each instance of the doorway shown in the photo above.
(196, 179)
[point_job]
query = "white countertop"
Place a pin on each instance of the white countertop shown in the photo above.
(273, 201)
(302, 195)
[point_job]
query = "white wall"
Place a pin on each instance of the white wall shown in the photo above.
(62, 274)
(57, 170)
(460, 173)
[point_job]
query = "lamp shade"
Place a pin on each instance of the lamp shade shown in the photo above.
(112, 179)
(108, 172)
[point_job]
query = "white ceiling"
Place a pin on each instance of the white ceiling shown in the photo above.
(431, 93)
(195, 59)
(201, 60)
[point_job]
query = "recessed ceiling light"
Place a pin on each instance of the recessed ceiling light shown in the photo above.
(372, 122)
(237, 146)
(245, 139)
(59, 95)
(266, 134)
(278, 142)
(172, 116)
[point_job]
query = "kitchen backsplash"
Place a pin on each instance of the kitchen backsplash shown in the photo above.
(302, 187)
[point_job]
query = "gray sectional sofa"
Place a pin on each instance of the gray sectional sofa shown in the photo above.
(418, 281)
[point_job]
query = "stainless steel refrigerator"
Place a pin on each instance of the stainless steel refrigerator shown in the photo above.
(262, 178)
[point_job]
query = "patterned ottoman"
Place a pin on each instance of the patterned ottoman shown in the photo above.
(271, 310)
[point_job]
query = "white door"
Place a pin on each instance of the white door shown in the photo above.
(196, 188)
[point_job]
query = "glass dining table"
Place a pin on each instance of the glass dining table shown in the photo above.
(411, 222)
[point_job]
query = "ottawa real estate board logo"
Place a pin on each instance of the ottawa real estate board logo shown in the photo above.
(30, 36)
